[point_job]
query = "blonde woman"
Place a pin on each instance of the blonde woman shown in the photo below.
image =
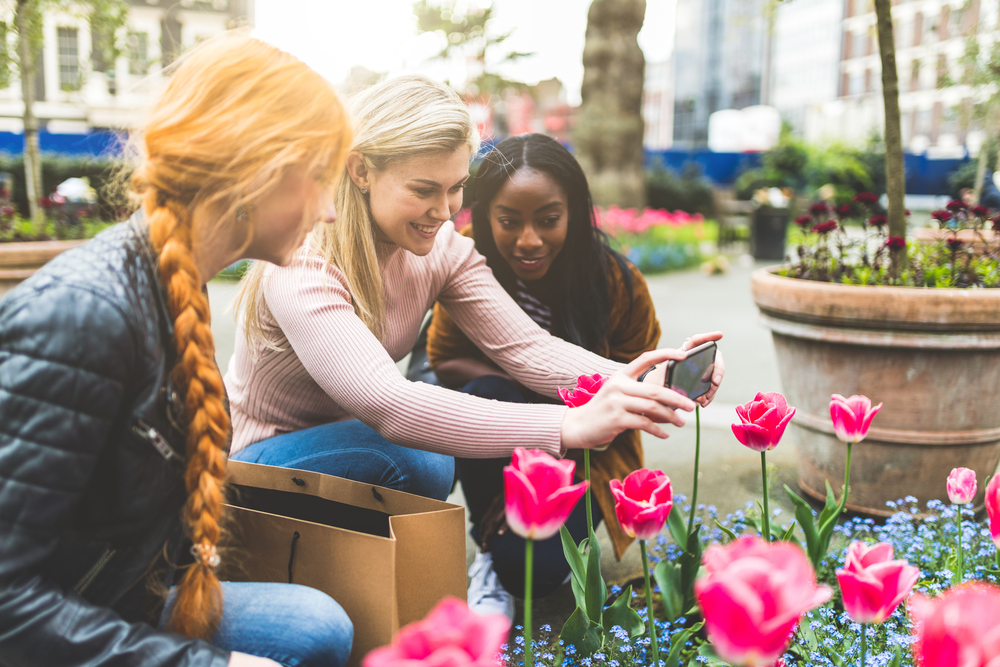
(313, 383)
(115, 430)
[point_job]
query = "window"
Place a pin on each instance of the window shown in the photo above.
(857, 84)
(69, 58)
(859, 45)
(904, 35)
(138, 53)
(924, 118)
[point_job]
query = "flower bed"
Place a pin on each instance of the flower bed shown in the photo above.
(747, 591)
(657, 240)
(827, 636)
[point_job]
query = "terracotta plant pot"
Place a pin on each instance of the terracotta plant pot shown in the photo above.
(932, 356)
(19, 260)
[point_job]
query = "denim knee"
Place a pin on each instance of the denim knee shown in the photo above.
(495, 387)
(325, 634)
(433, 476)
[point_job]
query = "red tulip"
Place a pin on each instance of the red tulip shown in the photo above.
(449, 636)
(643, 502)
(852, 416)
(539, 493)
(872, 584)
(586, 387)
(961, 628)
(764, 421)
(961, 486)
(993, 508)
(753, 597)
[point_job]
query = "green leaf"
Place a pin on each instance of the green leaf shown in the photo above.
(711, 658)
(580, 631)
(803, 512)
(596, 591)
(789, 535)
(620, 613)
(677, 644)
(577, 566)
(897, 657)
(725, 530)
(668, 576)
(678, 528)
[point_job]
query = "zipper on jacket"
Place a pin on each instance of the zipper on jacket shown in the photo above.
(92, 573)
(145, 430)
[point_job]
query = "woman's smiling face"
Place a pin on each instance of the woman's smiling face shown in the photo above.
(411, 199)
(529, 217)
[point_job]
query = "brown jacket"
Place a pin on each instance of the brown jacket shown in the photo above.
(630, 334)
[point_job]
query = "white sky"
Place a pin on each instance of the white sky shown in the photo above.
(334, 35)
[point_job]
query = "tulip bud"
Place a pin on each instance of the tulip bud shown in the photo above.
(961, 486)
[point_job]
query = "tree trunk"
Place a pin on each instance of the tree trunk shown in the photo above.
(895, 175)
(977, 191)
(610, 128)
(894, 169)
(26, 70)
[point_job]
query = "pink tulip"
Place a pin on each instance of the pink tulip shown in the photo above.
(852, 416)
(961, 628)
(763, 421)
(449, 636)
(993, 508)
(753, 597)
(539, 493)
(872, 584)
(961, 486)
(643, 502)
(586, 387)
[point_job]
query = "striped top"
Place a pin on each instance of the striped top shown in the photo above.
(536, 310)
(329, 367)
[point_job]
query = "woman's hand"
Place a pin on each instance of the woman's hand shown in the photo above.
(247, 660)
(624, 404)
(658, 375)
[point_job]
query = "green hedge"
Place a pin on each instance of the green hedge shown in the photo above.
(56, 168)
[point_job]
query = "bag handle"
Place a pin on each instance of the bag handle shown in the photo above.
(291, 555)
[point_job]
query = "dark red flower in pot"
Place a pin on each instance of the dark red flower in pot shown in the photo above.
(803, 221)
(954, 205)
(895, 243)
(955, 244)
(865, 198)
(819, 208)
(825, 227)
(878, 221)
(979, 211)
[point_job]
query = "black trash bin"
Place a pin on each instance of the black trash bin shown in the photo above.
(767, 233)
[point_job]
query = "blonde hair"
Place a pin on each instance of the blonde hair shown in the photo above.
(236, 115)
(395, 120)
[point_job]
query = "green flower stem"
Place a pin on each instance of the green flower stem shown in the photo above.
(961, 556)
(697, 455)
(528, 568)
(864, 644)
(847, 479)
(649, 604)
(586, 476)
(997, 557)
(766, 519)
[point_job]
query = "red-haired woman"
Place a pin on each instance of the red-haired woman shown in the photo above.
(115, 424)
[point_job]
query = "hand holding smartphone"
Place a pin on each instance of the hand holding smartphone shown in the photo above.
(692, 377)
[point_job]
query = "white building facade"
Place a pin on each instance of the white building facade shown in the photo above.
(931, 37)
(76, 92)
(806, 59)
(658, 105)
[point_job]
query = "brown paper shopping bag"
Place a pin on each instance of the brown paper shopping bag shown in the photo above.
(386, 556)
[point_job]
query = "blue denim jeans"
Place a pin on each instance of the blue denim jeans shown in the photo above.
(294, 625)
(354, 451)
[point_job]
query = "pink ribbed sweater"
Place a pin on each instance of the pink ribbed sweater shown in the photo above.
(330, 367)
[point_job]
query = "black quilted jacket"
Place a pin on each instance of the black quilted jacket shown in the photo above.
(90, 462)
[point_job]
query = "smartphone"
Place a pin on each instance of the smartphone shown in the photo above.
(692, 377)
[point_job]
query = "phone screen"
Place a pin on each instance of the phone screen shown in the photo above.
(693, 376)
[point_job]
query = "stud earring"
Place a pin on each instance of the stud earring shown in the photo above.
(364, 191)
(243, 212)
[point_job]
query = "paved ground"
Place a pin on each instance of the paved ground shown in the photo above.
(686, 303)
